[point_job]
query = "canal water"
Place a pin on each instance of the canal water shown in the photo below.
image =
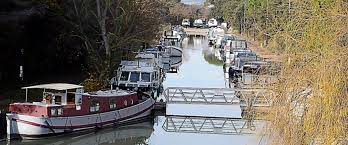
(200, 68)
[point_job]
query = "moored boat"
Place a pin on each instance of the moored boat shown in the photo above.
(174, 51)
(66, 108)
(142, 75)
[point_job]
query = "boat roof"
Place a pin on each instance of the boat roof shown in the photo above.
(145, 56)
(142, 66)
(175, 47)
(138, 69)
(54, 86)
(109, 93)
(138, 63)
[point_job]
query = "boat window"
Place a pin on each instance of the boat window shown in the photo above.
(124, 76)
(134, 76)
(155, 76)
(112, 104)
(70, 98)
(132, 102)
(60, 111)
(125, 103)
(145, 77)
(94, 106)
(58, 99)
(56, 111)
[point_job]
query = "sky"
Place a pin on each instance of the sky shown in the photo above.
(193, 1)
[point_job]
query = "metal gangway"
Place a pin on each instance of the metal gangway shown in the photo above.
(249, 80)
(245, 99)
(211, 125)
(219, 96)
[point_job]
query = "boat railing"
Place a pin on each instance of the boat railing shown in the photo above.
(137, 63)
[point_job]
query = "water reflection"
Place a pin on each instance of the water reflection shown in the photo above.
(211, 58)
(199, 68)
(126, 135)
(161, 136)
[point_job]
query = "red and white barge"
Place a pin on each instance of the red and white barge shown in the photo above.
(66, 108)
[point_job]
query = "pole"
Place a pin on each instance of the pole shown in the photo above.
(244, 6)
(26, 95)
(289, 6)
(254, 21)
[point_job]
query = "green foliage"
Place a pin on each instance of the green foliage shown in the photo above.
(211, 59)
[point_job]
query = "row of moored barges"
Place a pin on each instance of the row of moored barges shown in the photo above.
(65, 108)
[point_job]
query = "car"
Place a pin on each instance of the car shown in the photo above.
(186, 23)
(198, 23)
(212, 23)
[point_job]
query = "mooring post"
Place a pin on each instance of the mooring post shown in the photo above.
(9, 127)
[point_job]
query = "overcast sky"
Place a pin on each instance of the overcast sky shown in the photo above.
(193, 1)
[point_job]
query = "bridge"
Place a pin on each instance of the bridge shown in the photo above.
(196, 32)
(220, 96)
(247, 100)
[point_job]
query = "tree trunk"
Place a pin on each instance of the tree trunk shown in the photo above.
(102, 19)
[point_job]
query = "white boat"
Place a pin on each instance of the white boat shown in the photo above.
(159, 53)
(66, 108)
(144, 74)
(155, 58)
(214, 34)
(170, 63)
(173, 51)
(171, 41)
(172, 35)
(175, 63)
(233, 48)
(211, 36)
(125, 134)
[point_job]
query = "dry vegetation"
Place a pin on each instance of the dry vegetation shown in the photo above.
(311, 105)
(311, 101)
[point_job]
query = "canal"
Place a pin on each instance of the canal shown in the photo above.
(200, 68)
